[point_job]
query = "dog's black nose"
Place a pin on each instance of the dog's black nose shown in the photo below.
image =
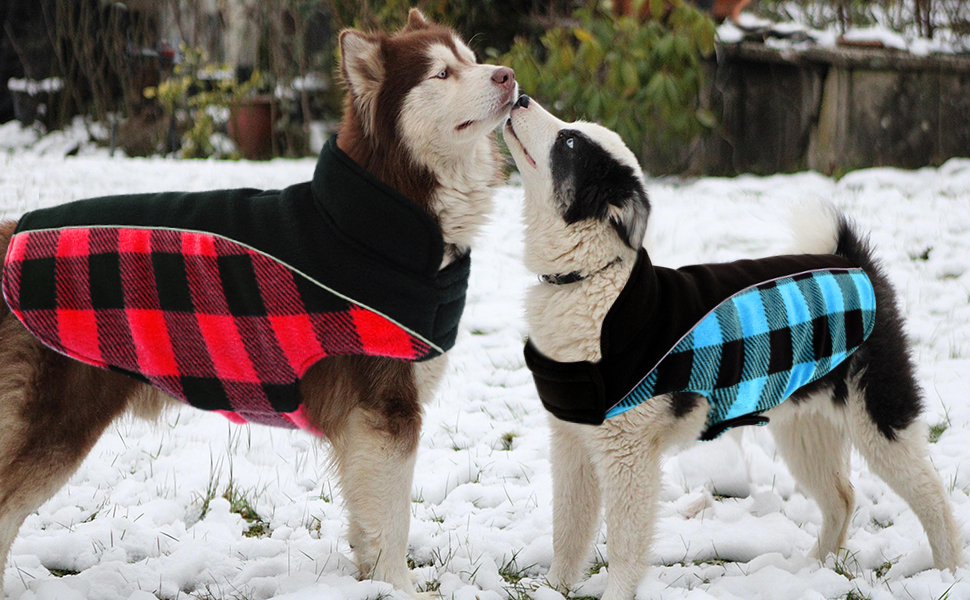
(522, 102)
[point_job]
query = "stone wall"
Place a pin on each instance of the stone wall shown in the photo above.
(833, 109)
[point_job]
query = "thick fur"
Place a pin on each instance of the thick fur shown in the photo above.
(581, 214)
(429, 136)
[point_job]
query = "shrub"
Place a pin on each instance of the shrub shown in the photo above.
(490, 25)
(197, 95)
(641, 79)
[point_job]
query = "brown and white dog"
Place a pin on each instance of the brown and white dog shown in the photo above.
(586, 212)
(420, 115)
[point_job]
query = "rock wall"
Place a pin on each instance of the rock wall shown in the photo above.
(833, 109)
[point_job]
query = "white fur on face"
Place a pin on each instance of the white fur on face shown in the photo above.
(454, 106)
(529, 134)
(446, 124)
(533, 131)
(552, 245)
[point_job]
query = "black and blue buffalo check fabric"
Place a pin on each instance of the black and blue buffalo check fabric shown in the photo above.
(756, 348)
(745, 334)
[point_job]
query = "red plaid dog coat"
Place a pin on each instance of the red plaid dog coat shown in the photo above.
(225, 299)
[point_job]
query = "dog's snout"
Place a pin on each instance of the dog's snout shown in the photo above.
(522, 102)
(504, 77)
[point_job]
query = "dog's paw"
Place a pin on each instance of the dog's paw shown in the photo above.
(561, 579)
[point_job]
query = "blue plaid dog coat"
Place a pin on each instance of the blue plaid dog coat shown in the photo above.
(746, 335)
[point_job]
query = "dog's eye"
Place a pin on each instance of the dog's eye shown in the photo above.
(443, 74)
(570, 142)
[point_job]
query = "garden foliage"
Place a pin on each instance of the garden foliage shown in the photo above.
(641, 79)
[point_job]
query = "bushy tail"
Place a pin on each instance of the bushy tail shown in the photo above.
(821, 228)
(815, 228)
(883, 364)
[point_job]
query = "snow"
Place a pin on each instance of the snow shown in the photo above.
(79, 137)
(798, 33)
(33, 87)
(889, 39)
(733, 524)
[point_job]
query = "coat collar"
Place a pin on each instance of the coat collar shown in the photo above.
(374, 214)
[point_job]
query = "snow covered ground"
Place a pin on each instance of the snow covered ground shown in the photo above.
(193, 507)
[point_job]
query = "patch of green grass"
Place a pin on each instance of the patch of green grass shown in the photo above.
(241, 504)
(413, 564)
(507, 439)
(208, 594)
(924, 255)
(846, 564)
(511, 572)
(514, 576)
(883, 569)
(953, 483)
(599, 563)
(714, 562)
(936, 431)
(63, 572)
(856, 595)
(840, 171)
(211, 490)
(257, 530)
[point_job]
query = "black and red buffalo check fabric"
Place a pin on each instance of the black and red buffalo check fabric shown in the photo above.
(198, 316)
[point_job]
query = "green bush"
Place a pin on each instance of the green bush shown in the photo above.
(193, 98)
(489, 25)
(641, 79)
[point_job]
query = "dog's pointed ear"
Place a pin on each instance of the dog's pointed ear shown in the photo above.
(416, 20)
(363, 70)
(630, 217)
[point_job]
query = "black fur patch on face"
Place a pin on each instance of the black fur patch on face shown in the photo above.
(587, 180)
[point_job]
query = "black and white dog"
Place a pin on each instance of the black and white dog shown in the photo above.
(586, 213)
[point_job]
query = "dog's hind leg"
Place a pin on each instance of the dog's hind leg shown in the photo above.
(816, 450)
(52, 411)
(903, 463)
(576, 501)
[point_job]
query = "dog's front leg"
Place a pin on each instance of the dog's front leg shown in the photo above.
(376, 469)
(631, 475)
(576, 501)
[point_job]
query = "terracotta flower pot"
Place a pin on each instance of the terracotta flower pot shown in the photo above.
(251, 127)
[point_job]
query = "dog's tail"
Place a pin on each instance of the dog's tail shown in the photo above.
(816, 228)
(883, 364)
(821, 228)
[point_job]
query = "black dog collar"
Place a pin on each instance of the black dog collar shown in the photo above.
(574, 276)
